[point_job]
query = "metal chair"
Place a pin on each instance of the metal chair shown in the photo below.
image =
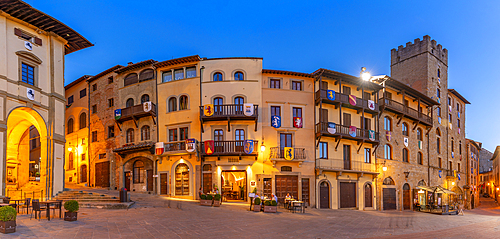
(26, 204)
(57, 206)
(37, 208)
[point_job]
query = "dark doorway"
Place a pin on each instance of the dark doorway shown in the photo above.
(286, 184)
(368, 195)
(268, 187)
(389, 200)
(305, 191)
(102, 174)
(83, 173)
(164, 183)
(347, 195)
(324, 195)
(406, 197)
(127, 180)
(150, 180)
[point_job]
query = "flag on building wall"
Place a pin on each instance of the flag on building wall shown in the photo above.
(352, 100)
(449, 107)
(147, 106)
(330, 94)
(388, 135)
(452, 155)
(276, 121)
(190, 145)
(371, 135)
(405, 141)
(209, 147)
(289, 154)
(420, 144)
(118, 114)
(208, 110)
(331, 128)
(159, 148)
(371, 104)
(248, 146)
(297, 122)
(352, 131)
(458, 176)
(439, 173)
(248, 109)
(451, 125)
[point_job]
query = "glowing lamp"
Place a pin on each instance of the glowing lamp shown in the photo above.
(262, 148)
(366, 76)
(384, 168)
(452, 183)
(69, 149)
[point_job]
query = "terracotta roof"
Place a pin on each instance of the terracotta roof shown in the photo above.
(408, 90)
(227, 58)
(28, 14)
(104, 73)
(291, 73)
(459, 96)
(345, 77)
(85, 77)
(177, 61)
(136, 66)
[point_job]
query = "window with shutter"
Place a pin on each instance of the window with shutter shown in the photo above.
(346, 119)
(323, 115)
(324, 85)
(346, 90)
(147, 74)
(131, 79)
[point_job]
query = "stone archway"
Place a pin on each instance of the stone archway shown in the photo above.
(26, 154)
(138, 174)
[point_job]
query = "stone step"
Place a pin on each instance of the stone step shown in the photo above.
(96, 197)
(99, 205)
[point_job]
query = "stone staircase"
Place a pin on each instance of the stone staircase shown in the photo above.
(93, 200)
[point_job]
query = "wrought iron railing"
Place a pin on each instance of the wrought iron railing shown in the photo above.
(279, 153)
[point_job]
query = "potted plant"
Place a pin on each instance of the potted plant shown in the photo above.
(270, 206)
(256, 206)
(204, 201)
(217, 200)
(7, 219)
(72, 210)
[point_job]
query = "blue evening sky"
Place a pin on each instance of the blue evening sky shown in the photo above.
(297, 36)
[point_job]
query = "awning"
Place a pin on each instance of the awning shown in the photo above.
(426, 188)
(436, 189)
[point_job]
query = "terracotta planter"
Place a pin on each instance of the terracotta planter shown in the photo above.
(206, 202)
(272, 209)
(216, 203)
(256, 208)
(70, 216)
(7, 227)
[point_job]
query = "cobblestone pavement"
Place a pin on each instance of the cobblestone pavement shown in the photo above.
(158, 217)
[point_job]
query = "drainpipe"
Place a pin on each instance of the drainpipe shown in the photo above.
(155, 181)
(88, 135)
(315, 148)
(202, 160)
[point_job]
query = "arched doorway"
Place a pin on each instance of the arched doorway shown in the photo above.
(324, 195)
(83, 173)
(406, 197)
(389, 194)
(138, 174)
(26, 154)
(182, 180)
(368, 195)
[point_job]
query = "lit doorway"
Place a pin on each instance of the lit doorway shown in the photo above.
(234, 184)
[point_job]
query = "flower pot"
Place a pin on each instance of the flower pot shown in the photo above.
(7, 227)
(272, 209)
(70, 216)
(216, 203)
(256, 208)
(206, 202)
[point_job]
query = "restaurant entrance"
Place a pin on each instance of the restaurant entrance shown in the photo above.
(234, 184)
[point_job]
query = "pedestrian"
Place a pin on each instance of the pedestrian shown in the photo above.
(274, 197)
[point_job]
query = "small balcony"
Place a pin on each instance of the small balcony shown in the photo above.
(135, 112)
(340, 165)
(340, 98)
(342, 131)
(175, 148)
(230, 148)
(278, 154)
(405, 111)
(228, 113)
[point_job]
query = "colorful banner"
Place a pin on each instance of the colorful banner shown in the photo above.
(452, 155)
(371, 104)
(371, 135)
(439, 173)
(458, 113)
(420, 144)
(458, 130)
(439, 120)
(118, 114)
(388, 135)
(248, 146)
(147, 106)
(159, 148)
(297, 122)
(459, 176)
(449, 107)
(276, 121)
(248, 109)
(289, 153)
(352, 131)
(209, 147)
(352, 100)
(330, 94)
(208, 110)
(331, 128)
(405, 141)
(451, 125)
(190, 145)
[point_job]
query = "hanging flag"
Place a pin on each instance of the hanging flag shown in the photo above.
(449, 107)
(159, 148)
(289, 154)
(420, 144)
(190, 145)
(471, 170)
(438, 100)
(248, 109)
(405, 141)
(458, 113)
(209, 147)
(458, 176)
(460, 157)
(330, 94)
(451, 125)
(371, 135)
(388, 135)
(371, 104)
(147, 106)
(439, 120)
(458, 130)
(208, 110)
(439, 80)
(118, 114)
(331, 128)
(439, 173)
(248, 146)
(352, 100)
(352, 131)
(452, 155)
(455, 173)
(297, 122)
(276, 121)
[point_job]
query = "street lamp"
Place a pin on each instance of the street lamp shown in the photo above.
(262, 147)
(365, 75)
(384, 168)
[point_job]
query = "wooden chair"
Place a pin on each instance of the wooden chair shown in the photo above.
(26, 204)
(56, 206)
(6, 199)
(37, 209)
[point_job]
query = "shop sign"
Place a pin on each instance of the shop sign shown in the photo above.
(248, 146)
(330, 94)
(289, 153)
(190, 145)
(209, 147)
(208, 110)
(248, 109)
(160, 148)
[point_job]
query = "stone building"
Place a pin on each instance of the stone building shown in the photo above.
(485, 163)
(471, 190)
(33, 46)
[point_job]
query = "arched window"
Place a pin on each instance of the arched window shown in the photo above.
(130, 136)
(239, 101)
(183, 102)
(419, 158)
(217, 76)
(71, 161)
(83, 120)
(70, 126)
(405, 129)
(144, 98)
(145, 132)
(147, 74)
(419, 134)
(131, 79)
(405, 155)
(421, 183)
(438, 132)
(129, 103)
(387, 123)
(172, 104)
(286, 169)
(218, 102)
(238, 75)
(138, 171)
(182, 179)
(406, 186)
(388, 151)
(207, 167)
(388, 181)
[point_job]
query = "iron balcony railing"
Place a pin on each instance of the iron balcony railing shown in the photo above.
(233, 147)
(344, 99)
(343, 130)
(408, 111)
(279, 153)
(174, 146)
(341, 165)
(136, 111)
(230, 110)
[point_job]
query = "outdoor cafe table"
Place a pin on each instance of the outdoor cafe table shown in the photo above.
(47, 205)
(17, 203)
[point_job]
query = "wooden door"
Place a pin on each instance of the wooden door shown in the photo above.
(150, 179)
(102, 174)
(286, 184)
(305, 191)
(127, 180)
(324, 85)
(324, 195)
(368, 195)
(268, 187)
(163, 183)
(406, 197)
(347, 195)
(207, 182)
(389, 198)
(323, 115)
(83, 174)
